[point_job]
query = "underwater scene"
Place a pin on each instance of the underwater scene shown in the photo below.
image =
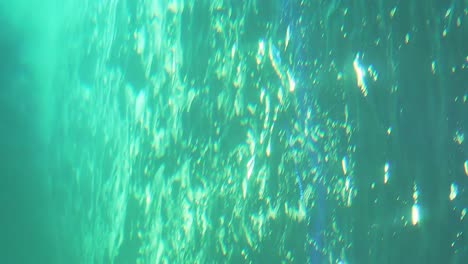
(228, 131)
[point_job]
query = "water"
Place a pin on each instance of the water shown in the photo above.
(234, 131)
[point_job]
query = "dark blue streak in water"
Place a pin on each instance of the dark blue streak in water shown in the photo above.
(294, 17)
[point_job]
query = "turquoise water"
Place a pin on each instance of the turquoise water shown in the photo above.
(233, 131)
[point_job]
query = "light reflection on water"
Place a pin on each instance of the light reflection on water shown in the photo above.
(290, 133)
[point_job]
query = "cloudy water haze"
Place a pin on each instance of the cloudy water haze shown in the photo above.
(195, 131)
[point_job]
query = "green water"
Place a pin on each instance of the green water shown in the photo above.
(233, 131)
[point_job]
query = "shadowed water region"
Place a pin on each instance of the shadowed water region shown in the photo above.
(285, 131)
